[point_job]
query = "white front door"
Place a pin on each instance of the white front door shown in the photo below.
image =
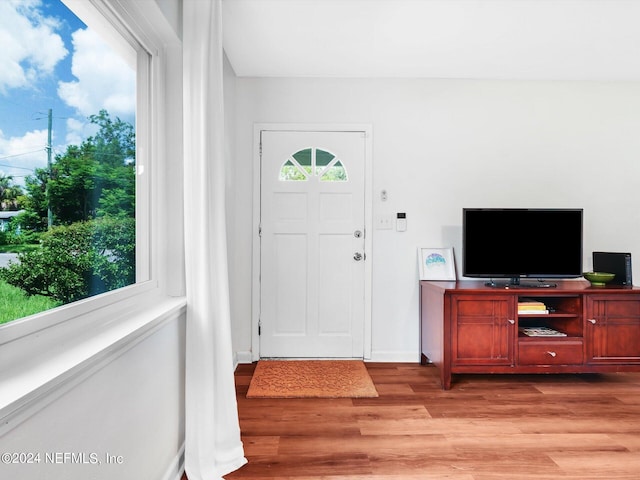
(312, 274)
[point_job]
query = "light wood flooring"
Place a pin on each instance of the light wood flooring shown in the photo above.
(486, 427)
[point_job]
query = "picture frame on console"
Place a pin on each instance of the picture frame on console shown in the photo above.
(436, 264)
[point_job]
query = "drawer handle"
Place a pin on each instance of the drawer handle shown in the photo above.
(591, 320)
(553, 354)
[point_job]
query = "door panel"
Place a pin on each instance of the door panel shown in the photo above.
(613, 330)
(483, 333)
(334, 299)
(290, 292)
(312, 202)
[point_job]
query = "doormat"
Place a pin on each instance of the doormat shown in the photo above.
(311, 379)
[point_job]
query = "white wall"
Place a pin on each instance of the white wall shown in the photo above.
(441, 145)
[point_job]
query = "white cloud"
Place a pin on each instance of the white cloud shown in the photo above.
(78, 131)
(105, 81)
(30, 48)
(20, 156)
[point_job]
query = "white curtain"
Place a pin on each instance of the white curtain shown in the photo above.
(212, 447)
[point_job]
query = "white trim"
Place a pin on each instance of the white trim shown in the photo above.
(176, 468)
(243, 357)
(255, 255)
(368, 240)
(32, 324)
(258, 128)
(29, 387)
(387, 356)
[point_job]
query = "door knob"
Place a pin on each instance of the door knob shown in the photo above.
(357, 256)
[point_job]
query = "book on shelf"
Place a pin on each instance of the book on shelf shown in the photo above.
(528, 306)
(541, 332)
(531, 304)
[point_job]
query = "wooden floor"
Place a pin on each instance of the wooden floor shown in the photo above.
(516, 427)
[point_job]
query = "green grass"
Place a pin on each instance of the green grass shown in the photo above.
(26, 247)
(15, 304)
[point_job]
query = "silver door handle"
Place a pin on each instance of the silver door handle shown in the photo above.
(357, 256)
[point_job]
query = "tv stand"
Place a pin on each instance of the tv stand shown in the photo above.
(469, 328)
(515, 282)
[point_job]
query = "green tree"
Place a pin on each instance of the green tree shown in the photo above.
(115, 151)
(89, 180)
(78, 260)
(34, 202)
(9, 193)
(115, 141)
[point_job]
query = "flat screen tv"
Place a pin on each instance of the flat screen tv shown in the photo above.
(516, 243)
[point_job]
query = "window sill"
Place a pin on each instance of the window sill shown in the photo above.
(37, 366)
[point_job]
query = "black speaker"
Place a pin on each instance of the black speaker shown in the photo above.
(614, 262)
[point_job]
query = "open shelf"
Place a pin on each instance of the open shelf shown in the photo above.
(564, 315)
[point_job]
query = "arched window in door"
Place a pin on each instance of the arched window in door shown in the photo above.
(313, 162)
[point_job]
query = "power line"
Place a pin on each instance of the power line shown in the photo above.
(13, 166)
(20, 154)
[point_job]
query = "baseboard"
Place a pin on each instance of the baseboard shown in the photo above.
(387, 356)
(376, 356)
(244, 357)
(176, 469)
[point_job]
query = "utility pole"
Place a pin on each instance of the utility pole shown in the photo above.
(49, 213)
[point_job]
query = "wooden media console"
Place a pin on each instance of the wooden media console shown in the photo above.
(467, 327)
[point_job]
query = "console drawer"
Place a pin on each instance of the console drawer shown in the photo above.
(545, 352)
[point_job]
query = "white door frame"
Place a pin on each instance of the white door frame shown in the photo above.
(368, 221)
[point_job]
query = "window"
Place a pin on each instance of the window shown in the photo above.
(45, 352)
(84, 226)
(313, 162)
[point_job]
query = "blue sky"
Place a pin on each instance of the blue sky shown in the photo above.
(49, 59)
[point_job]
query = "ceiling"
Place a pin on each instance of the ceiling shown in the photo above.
(467, 39)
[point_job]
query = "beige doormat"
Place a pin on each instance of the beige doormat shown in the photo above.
(311, 379)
